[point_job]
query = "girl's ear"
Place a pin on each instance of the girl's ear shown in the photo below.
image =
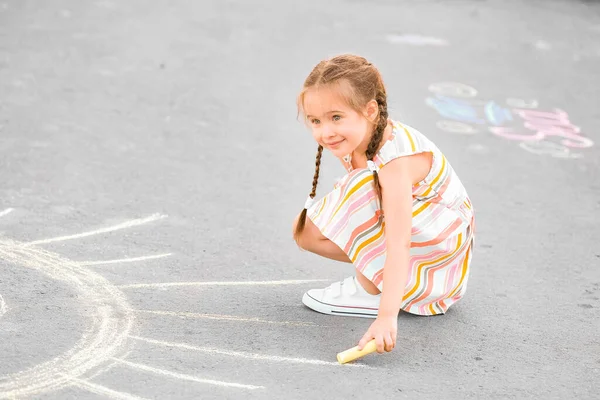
(372, 111)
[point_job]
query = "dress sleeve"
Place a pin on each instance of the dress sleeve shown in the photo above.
(404, 142)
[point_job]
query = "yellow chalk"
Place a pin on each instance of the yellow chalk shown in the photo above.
(353, 353)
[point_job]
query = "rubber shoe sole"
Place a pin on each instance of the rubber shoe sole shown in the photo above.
(332, 309)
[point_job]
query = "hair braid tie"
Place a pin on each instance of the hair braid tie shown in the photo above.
(309, 202)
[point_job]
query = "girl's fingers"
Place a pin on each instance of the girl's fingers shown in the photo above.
(365, 339)
(389, 343)
(380, 343)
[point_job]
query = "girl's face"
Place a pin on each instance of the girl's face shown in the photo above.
(335, 125)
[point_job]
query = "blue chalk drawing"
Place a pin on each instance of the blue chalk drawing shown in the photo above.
(463, 111)
(456, 109)
(497, 115)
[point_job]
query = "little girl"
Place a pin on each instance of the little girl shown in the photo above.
(400, 215)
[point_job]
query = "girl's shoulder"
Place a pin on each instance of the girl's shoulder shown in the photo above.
(405, 141)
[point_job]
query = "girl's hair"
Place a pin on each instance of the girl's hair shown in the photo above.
(358, 82)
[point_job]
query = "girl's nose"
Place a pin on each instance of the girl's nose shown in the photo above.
(327, 131)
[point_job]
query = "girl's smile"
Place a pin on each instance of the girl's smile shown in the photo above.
(334, 145)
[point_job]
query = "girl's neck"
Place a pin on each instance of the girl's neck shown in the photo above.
(359, 156)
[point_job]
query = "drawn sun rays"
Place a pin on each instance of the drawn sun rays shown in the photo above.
(2, 306)
(110, 320)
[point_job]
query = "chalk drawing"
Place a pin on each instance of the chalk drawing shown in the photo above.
(3, 307)
(542, 45)
(109, 319)
(510, 134)
(555, 123)
(416, 40)
(455, 109)
(98, 389)
(6, 212)
(464, 111)
(251, 356)
(184, 377)
(123, 260)
(105, 4)
(456, 127)
(520, 103)
(496, 114)
(128, 224)
(542, 132)
(108, 367)
(226, 283)
(108, 323)
(549, 148)
(478, 148)
(452, 89)
(223, 317)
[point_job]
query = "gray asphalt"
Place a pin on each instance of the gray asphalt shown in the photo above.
(180, 117)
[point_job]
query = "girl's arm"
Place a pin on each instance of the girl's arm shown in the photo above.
(396, 181)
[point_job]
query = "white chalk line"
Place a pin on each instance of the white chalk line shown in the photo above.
(3, 307)
(7, 211)
(250, 356)
(223, 317)
(226, 283)
(124, 225)
(98, 372)
(184, 377)
(99, 389)
(108, 325)
(123, 260)
(417, 40)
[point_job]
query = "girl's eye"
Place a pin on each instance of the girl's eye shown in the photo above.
(337, 117)
(315, 121)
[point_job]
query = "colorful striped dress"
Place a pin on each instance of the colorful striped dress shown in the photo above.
(442, 225)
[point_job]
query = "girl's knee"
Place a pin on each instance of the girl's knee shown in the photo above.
(309, 234)
(299, 239)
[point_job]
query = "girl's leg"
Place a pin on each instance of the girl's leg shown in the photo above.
(313, 240)
(367, 284)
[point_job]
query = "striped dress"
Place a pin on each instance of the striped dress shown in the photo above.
(442, 225)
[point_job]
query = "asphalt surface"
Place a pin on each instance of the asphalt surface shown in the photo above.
(168, 130)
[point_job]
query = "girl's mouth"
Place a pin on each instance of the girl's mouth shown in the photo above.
(335, 144)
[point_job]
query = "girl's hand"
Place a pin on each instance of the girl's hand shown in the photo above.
(384, 331)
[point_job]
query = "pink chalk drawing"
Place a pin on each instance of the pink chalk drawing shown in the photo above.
(542, 132)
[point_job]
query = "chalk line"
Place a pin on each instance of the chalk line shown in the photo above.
(417, 40)
(3, 307)
(223, 317)
(109, 322)
(454, 89)
(124, 260)
(184, 377)
(100, 371)
(251, 356)
(456, 127)
(542, 45)
(7, 211)
(128, 224)
(98, 389)
(226, 283)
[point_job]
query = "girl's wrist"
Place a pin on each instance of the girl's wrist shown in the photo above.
(386, 313)
(389, 307)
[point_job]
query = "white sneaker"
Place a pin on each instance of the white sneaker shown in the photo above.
(346, 298)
